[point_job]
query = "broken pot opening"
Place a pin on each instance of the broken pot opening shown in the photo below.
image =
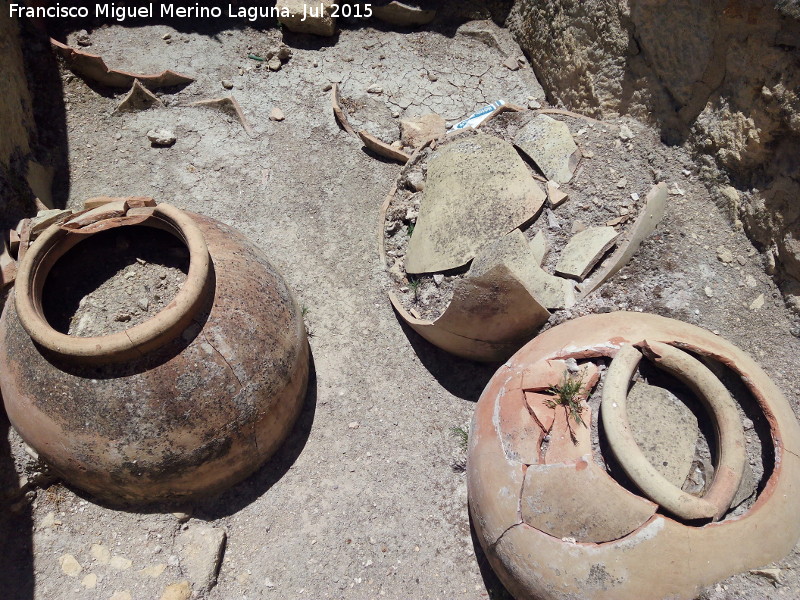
(56, 242)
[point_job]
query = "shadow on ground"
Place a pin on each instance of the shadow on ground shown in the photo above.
(463, 378)
(16, 531)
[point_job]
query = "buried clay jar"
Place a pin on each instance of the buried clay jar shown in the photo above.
(184, 403)
(559, 519)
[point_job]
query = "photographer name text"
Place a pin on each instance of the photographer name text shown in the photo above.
(196, 11)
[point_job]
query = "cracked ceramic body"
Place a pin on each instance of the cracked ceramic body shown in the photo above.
(184, 404)
(558, 527)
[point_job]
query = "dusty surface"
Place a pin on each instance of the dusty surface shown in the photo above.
(140, 274)
(363, 500)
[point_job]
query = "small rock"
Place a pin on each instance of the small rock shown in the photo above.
(578, 226)
(284, 53)
(120, 563)
(327, 87)
(276, 114)
(625, 133)
(100, 553)
(709, 292)
(82, 38)
(374, 89)
(177, 591)
(622, 183)
(182, 516)
(201, 548)
(143, 303)
(70, 565)
(122, 317)
(353, 425)
(438, 278)
(511, 63)
(274, 64)
(153, 571)
(432, 77)
(534, 105)
(757, 303)
(724, 255)
(90, 581)
(572, 365)
(161, 137)
(227, 84)
(166, 36)
(268, 583)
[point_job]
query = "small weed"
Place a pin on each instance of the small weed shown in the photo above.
(304, 311)
(410, 229)
(414, 284)
(462, 435)
(568, 395)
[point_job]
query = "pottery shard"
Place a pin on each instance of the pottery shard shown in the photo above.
(521, 434)
(584, 250)
(201, 549)
(570, 440)
(539, 247)
(45, 218)
(549, 144)
(580, 501)
(417, 132)
(540, 409)
(319, 19)
(94, 67)
(139, 98)
(229, 106)
(665, 430)
(108, 210)
(404, 15)
(493, 305)
(513, 250)
(477, 188)
(382, 148)
(555, 197)
(628, 243)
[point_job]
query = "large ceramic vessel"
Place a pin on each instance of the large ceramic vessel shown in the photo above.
(181, 405)
(554, 523)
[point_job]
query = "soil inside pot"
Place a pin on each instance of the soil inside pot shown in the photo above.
(114, 280)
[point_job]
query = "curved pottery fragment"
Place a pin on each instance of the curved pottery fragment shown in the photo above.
(93, 67)
(556, 526)
(185, 403)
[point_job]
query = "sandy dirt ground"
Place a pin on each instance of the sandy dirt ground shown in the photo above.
(366, 499)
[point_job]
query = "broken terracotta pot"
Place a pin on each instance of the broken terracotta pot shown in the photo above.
(93, 67)
(184, 404)
(554, 524)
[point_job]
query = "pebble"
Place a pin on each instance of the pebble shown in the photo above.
(166, 36)
(709, 292)
(327, 87)
(374, 89)
(438, 278)
(432, 77)
(534, 105)
(90, 581)
(511, 63)
(625, 133)
(757, 303)
(353, 425)
(161, 137)
(276, 114)
(724, 255)
(227, 84)
(622, 183)
(143, 303)
(201, 550)
(70, 565)
(100, 553)
(285, 53)
(274, 64)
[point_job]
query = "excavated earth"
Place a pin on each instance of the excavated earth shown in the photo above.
(367, 499)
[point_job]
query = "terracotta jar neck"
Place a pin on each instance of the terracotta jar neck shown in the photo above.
(137, 340)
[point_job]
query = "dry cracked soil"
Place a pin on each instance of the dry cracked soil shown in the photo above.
(366, 499)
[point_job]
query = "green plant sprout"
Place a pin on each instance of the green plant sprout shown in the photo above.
(462, 435)
(568, 395)
(414, 284)
(410, 229)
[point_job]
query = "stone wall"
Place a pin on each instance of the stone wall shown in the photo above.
(721, 75)
(16, 121)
